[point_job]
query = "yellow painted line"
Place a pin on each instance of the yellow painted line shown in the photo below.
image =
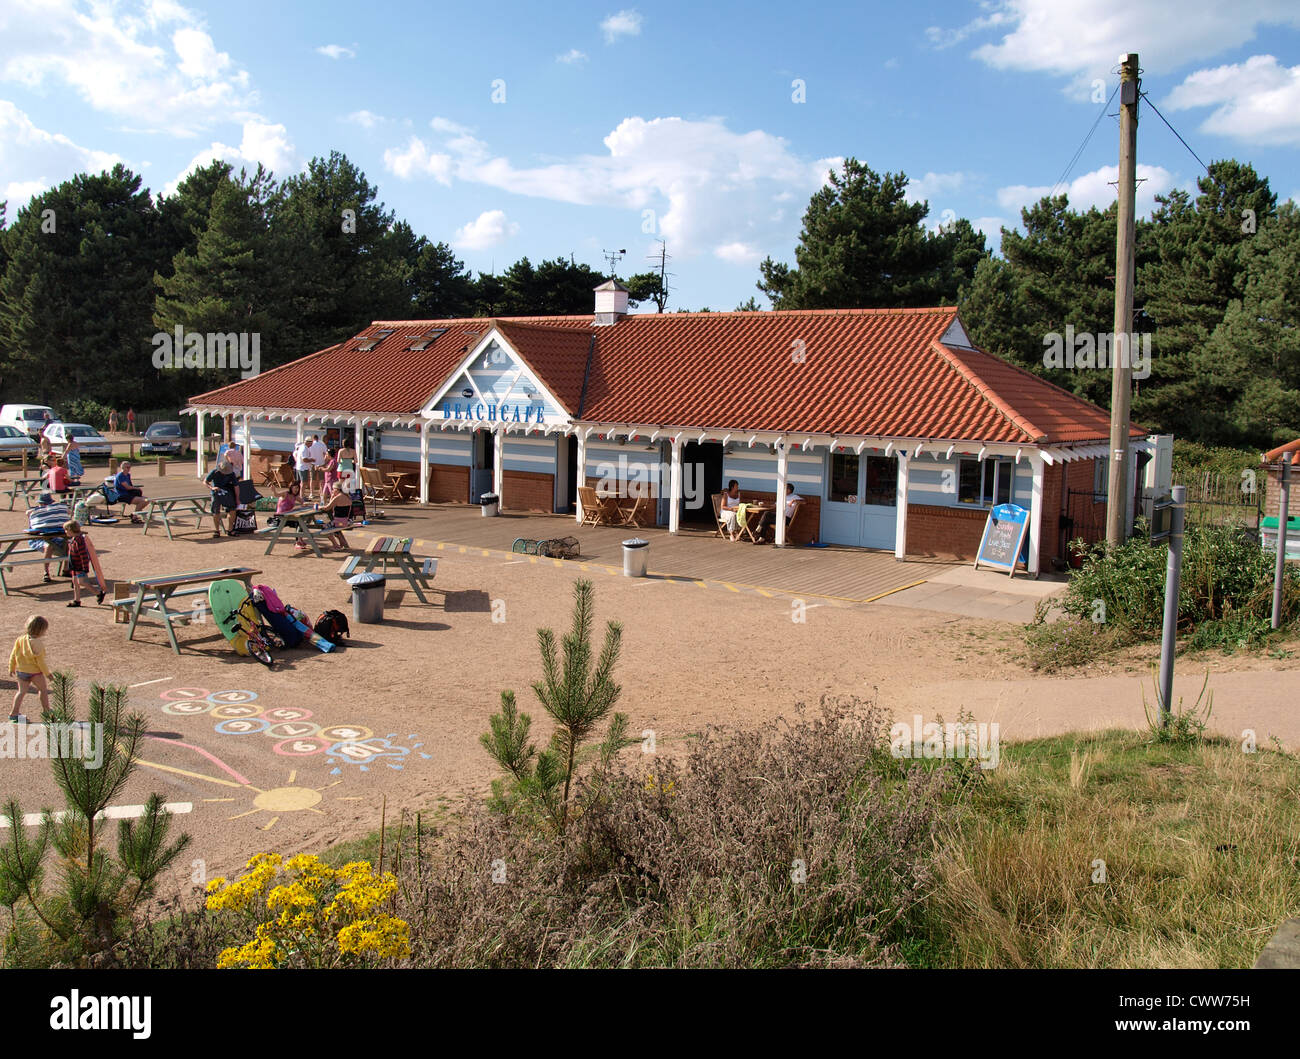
(763, 592)
(702, 584)
(900, 588)
(728, 585)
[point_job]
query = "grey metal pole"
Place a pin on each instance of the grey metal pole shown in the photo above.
(1173, 572)
(1279, 568)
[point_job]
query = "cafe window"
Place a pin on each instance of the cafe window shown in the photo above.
(983, 483)
(370, 451)
(844, 477)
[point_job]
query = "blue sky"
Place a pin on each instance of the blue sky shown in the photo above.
(553, 128)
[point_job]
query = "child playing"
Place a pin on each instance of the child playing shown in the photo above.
(27, 664)
(79, 552)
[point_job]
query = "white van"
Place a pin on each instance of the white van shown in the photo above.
(29, 418)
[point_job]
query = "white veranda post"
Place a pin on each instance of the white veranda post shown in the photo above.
(900, 513)
(248, 446)
(581, 476)
(675, 487)
(201, 457)
(424, 461)
(1035, 512)
(782, 473)
(498, 471)
(359, 436)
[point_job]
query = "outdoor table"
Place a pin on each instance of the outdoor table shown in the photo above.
(755, 517)
(24, 487)
(152, 595)
(399, 484)
(11, 541)
(304, 524)
(395, 552)
(163, 508)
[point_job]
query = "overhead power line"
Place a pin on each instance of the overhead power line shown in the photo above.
(1175, 132)
(1065, 173)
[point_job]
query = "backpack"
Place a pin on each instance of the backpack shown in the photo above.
(245, 520)
(332, 626)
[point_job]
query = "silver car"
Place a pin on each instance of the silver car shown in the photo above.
(92, 442)
(14, 442)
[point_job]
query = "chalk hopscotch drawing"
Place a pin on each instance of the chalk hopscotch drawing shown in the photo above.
(295, 733)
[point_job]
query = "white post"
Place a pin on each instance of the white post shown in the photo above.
(782, 470)
(359, 436)
(582, 479)
(900, 512)
(424, 461)
(201, 467)
(300, 428)
(1037, 465)
(248, 446)
(675, 486)
(498, 471)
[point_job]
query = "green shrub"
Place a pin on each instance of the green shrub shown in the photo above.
(85, 410)
(1072, 641)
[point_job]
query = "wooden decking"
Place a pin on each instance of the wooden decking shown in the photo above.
(840, 573)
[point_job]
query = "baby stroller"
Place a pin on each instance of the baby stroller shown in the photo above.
(249, 634)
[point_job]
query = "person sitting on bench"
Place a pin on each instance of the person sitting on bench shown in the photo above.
(127, 491)
(47, 518)
(223, 482)
(56, 478)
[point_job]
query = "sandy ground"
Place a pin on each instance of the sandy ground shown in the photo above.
(303, 755)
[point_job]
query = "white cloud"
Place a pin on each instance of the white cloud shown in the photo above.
(707, 189)
(1257, 101)
(933, 186)
(1093, 189)
(366, 119)
(42, 158)
(626, 23)
(738, 253)
(572, 56)
(488, 229)
(152, 63)
(262, 143)
(418, 160)
(200, 59)
(1076, 40)
(337, 51)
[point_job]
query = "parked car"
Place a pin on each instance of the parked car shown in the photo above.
(14, 442)
(165, 439)
(29, 418)
(92, 442)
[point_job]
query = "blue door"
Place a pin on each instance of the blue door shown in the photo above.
(860, 505)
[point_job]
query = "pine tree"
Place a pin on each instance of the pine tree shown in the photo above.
(96, 894)
(578, 692)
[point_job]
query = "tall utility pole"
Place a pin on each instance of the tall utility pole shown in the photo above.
(1121, 353)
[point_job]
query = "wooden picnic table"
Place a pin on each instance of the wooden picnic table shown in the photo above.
(393, 553)
(153, 594)
(24, 487)
(400, 484)
(305, 527)
(163, 508)
(10, 541)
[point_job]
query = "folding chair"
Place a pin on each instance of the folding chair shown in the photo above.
(375, 487)
(723, 532)
(597, 510)
(638, 511)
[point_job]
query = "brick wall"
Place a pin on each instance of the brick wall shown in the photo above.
(944, 532)
(448, 484)
(527, 491)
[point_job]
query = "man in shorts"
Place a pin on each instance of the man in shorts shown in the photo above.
(302, 463)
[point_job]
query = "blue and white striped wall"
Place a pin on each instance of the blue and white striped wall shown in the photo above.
(926, 481)
(755, 469)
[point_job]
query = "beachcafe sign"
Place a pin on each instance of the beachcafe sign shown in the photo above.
(491, 412)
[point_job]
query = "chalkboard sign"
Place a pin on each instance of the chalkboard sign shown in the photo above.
(1002, 545)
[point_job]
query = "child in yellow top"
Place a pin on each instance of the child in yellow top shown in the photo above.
(27, 664)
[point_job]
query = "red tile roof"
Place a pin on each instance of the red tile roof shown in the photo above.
(872, 372)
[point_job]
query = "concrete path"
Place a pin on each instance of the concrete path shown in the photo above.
(981, 593)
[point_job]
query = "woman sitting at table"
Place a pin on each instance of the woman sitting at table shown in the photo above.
(730, 507)
(56, 478)
(338, 505)
(223, 482)
(127, 491)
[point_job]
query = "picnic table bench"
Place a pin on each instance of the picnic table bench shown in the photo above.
(163, 508)
(394, 553)
(153, 595)
(305, 527)
(10, 542)
(26, 488)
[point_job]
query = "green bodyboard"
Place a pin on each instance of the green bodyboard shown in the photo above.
(225, 598)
